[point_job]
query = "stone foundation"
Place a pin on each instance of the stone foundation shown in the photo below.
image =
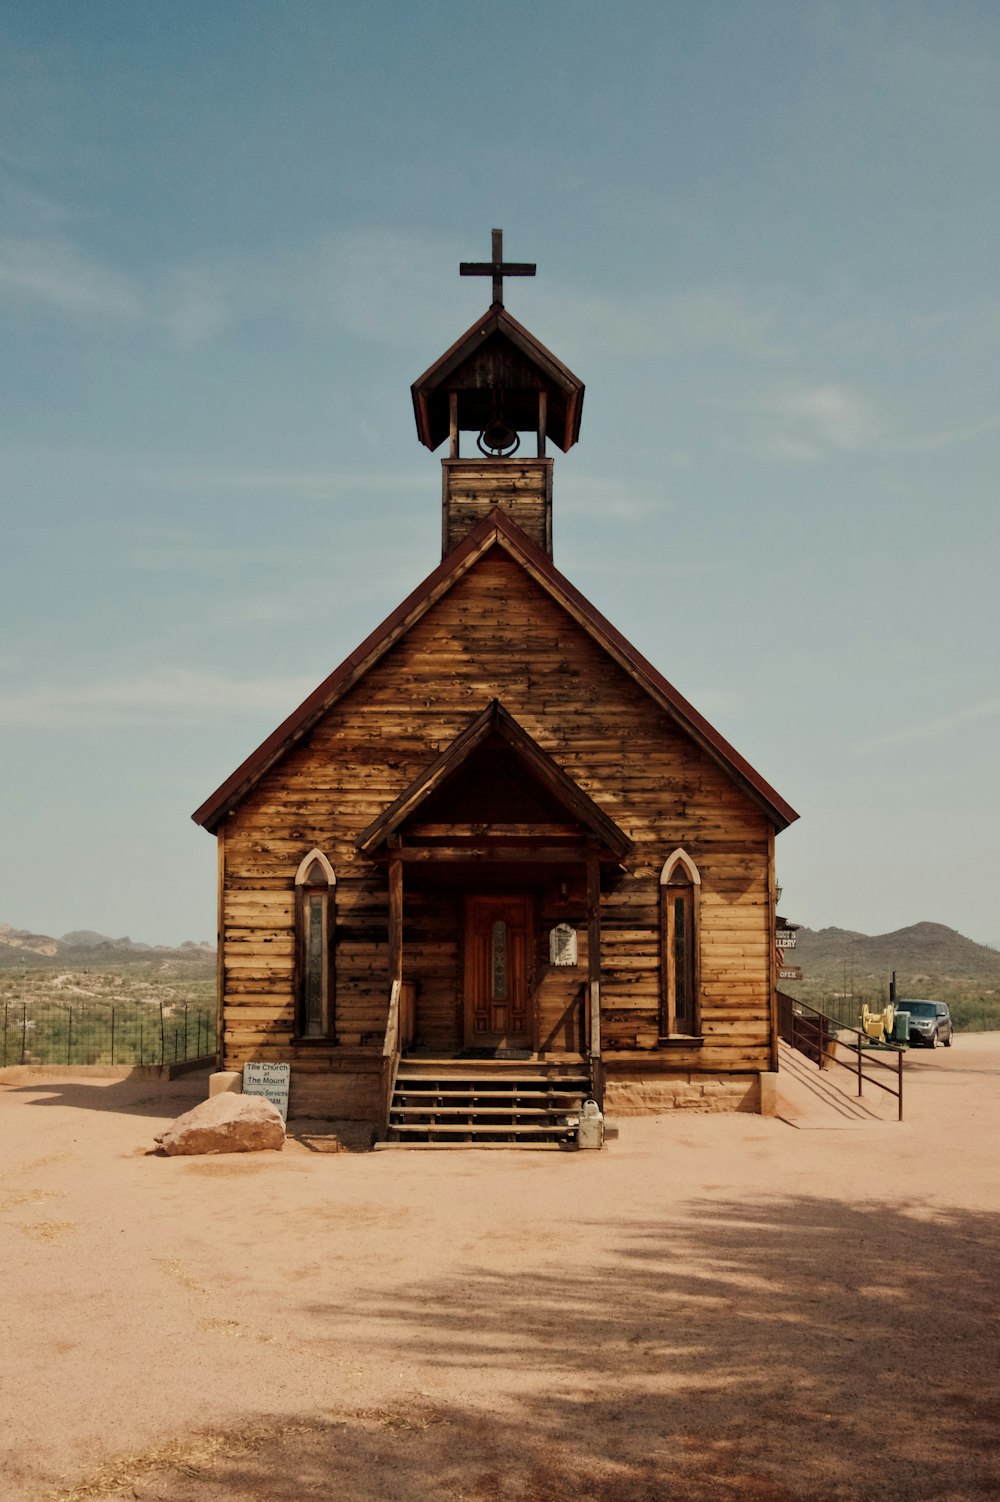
(641, 1093)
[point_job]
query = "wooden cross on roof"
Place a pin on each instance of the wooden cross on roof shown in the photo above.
(498, 268)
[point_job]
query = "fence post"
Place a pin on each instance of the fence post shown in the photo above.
(163, 1038)
(185, 1031)
(69, 1035)
(140, 1042)
(859, 1064)
(5, 1033)
(112, 1035)
(24, 1029)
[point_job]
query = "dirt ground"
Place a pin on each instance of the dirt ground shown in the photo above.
(713, 1308)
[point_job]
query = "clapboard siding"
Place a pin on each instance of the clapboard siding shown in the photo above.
(497, 634)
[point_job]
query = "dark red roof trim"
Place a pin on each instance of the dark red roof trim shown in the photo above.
(494, 530)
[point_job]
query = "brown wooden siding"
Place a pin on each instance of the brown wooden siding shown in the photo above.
(472, 487)
(496, 634)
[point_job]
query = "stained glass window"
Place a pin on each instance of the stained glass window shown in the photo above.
(682, 965)
(498, 966)
(314, 963)
(316, 886)
(680, 887)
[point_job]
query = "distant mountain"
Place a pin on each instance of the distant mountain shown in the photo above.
(86, 938)
(84, 947)
(923, 953)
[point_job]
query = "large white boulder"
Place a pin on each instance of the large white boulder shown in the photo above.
(226, 1123)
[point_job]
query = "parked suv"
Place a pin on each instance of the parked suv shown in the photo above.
(930, 1022)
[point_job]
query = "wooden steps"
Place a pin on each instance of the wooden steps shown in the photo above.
(486, 1103)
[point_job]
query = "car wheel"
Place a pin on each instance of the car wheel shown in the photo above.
(933, 1040)
(947, 1041)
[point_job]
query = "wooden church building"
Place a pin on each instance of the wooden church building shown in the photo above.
(496, 862)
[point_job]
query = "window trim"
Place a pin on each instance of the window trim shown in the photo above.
(668, 1024)
(305, 888)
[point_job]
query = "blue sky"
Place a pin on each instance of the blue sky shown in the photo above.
(766, 238)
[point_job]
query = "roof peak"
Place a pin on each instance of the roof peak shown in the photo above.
(496, 529)
(498, 369)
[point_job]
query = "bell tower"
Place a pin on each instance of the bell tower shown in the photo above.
(498, 382)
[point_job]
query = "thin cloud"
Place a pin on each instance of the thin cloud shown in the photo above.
(177, 695)
(785, 447)
(949, 437)
(833, 415)
(53, 273)
(604, 498)
(195, 305)
(809, 422)
(382, 286)
(301, 482)
(28, 211)
(931, 730)
(649, 323)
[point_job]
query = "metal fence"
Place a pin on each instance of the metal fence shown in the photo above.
(845, 1010)
(49, 1032)
(819, 1036)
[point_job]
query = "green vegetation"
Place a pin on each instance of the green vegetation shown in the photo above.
(974, 1010)
(843, 970)
(146, 1012)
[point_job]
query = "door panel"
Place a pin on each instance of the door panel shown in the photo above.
(497, 951)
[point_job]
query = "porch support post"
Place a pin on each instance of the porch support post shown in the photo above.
(395, 916)
(594, 954)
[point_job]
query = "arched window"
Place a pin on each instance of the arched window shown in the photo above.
(680, 886)
(315, 912)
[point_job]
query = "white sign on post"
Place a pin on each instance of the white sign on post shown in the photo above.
(562, 945)
(269, 1080)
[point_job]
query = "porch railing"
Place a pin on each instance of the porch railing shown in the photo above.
(392, 1050)
(400, 1029)
(817, 1036)
(594, 1018)
(593, 1002)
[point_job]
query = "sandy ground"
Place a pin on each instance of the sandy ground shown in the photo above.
(712, 1308)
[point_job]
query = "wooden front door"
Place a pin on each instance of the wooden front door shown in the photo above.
(497, 955)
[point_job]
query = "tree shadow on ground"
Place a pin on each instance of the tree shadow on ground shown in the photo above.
(775, 1350)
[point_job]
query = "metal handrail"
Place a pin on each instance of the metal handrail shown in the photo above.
(813, 1034)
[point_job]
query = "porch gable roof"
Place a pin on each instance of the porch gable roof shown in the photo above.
(495, 530)
(496, 721)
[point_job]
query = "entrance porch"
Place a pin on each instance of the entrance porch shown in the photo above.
(495, 861)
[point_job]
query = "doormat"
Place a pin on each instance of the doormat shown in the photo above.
(496, 1053)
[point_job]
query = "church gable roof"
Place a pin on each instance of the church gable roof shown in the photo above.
(496, 530)
(497, 352)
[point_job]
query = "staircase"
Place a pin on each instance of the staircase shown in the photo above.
(486, 1103)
